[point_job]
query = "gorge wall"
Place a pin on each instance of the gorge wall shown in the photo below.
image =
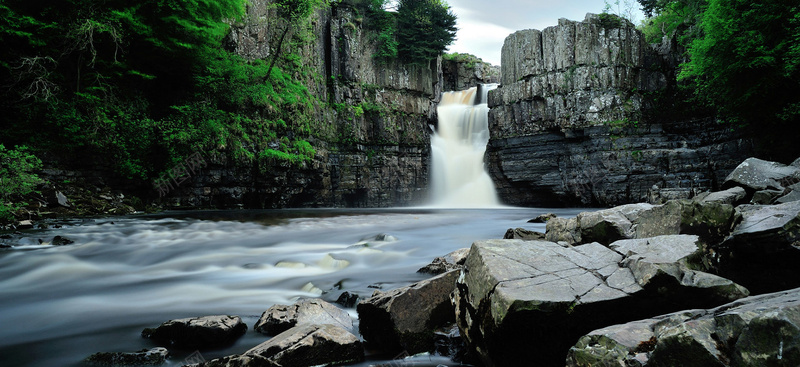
(575, 121)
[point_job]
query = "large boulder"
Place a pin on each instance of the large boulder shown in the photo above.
(755, 175)
(734, 195)
(311, 345)
(609, 225)
(152, 357)
(237, 361)
(754, 331)
(404, 319)
(764, 248)
(198, 332)
(522, 301)
(280, 318)
(523, 234)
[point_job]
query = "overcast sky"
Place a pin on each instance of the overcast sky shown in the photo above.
(484, 25)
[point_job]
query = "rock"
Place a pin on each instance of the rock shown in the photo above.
(734, 195)
(311, 345)
(710, 220)
(237, 361)
(448, 342)
(755, 175)
(764, 247)
(543, 218)
(793, 195)
(61, 241)
(347, 299)
(25, 224)
(563, 230)
(153, 357)
(755, 331)
(405, 318)
(765, 197)
(609, 225)
(519, 299)
(198, 332)
(452, 261)
(280, 318)
(523, 234)
(62, 200)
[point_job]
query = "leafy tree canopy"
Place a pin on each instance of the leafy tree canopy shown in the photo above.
(424, 29)
(746, 62)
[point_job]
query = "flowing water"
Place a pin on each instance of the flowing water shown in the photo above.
(458, 176)
(59, 304)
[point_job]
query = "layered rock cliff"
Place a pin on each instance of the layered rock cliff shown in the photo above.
(372, 131)
(574, 121)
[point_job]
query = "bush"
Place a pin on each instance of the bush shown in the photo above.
(17, 178)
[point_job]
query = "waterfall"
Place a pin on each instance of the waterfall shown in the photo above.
(458, 176)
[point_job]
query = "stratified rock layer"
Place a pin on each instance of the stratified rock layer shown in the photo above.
(567, 123)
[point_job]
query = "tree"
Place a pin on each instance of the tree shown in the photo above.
(746, 62)
(292, 11)
(424, 29)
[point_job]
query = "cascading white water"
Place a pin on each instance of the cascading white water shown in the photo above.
(458, 176)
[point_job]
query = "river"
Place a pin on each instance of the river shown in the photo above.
(60, 304)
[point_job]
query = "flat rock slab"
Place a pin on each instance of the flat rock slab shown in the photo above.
(311, 345)
(405, 319)
(522, 301)
(153, 357)
(754, 331)
(198, 332)
(280, 318)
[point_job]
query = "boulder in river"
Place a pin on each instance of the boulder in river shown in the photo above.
(280, 318)
(198, 332)
(755, 331)
(237, 361)
(543, 218)
(405, 318)
(520, 301)
(311, 345)
(153, 357)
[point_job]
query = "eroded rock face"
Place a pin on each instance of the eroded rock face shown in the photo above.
(280, 318)
(754, 331)
(524, 300)
(198, 332)
(404, 319)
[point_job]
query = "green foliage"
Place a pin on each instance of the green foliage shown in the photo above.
(673, 18)
(746, 63)
(464, 58)
(424, 29)
(17, 178)
(146, 84)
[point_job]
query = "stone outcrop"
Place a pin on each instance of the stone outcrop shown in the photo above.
(152, 357)
(754, 331)
(520, 301)
(765, 182)
(567, 125)
(280, 318)
(442, 264)
(198, 332)
(405, 319)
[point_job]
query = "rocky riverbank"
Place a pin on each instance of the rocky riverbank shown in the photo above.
(706, 280)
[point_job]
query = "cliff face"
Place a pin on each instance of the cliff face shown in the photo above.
(372, 131)
(462, 72)
(567, 125)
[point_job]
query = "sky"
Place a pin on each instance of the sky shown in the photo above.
(484, 25)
